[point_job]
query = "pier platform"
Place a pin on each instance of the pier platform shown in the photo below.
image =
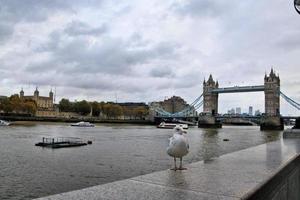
(267, 171)
(61, 142)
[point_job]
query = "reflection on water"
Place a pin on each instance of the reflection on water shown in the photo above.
(117, 152)
(210, 145)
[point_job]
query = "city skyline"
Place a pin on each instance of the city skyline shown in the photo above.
(98, 49)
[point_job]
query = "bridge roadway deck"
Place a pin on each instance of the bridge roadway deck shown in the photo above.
(232, 176)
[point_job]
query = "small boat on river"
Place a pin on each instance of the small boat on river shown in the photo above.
(171, 125)
(4, 123)
(83, 124)
(293, 132)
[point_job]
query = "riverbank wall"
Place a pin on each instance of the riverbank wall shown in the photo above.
(73, 120)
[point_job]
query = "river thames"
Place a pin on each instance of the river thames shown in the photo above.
(117, 152)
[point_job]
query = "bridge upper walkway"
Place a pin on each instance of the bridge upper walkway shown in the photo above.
(255, 88)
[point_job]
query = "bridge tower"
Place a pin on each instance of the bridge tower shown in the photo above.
(210, 105)
(272, 119)
(210, 100)
(272, 94)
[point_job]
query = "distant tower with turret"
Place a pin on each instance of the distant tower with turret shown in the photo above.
(22, 93)
(36, 94)
(272, 94)
(210, 99)
(51, 96)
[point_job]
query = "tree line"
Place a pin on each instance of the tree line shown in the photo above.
(107, 110)
(14, 104)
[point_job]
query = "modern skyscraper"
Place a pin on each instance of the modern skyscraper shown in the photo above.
(238, 110)
(250, 110)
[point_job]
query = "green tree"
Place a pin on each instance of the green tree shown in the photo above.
(128, 112)
(30, 107)
(112, 110)
(106, 109)
(6, 105)
(66, 106)
(15, 102)
(95, 109)
(82, 107)
(116, 111)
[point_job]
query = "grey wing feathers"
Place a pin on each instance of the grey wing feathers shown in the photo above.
(172, 141)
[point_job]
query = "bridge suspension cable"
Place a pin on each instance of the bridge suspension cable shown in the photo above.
(290, 101)
(195, 105)
(189, 110)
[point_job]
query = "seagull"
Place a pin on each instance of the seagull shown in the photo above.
(178, 146)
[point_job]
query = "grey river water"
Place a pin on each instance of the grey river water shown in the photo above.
(117, 152)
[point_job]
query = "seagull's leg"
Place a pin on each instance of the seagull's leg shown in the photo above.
(175, 168)
(180, 165)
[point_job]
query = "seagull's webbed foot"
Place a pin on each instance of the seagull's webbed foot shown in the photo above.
(174, 169)
(180, 166)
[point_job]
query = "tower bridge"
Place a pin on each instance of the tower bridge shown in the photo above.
(209, 100)
(271, 88)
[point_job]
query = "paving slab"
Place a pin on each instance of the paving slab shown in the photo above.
(134, 190)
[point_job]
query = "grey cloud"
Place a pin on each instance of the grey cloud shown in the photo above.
(76, 28)
(5, 31)
(13, 12)
(29, 10)
(289, 40)
(110, 55)
(162, 72)
(39, 10)
(201, 7)
(17, 11)
(88, 82)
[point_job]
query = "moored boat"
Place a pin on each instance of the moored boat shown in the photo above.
(4, 123)
(83, 124)
(293, 132)
(171, 125)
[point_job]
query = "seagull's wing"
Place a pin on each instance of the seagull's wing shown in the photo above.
(187, 144)
(172, 141)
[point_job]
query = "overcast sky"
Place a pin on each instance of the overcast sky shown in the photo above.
(142, 50)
